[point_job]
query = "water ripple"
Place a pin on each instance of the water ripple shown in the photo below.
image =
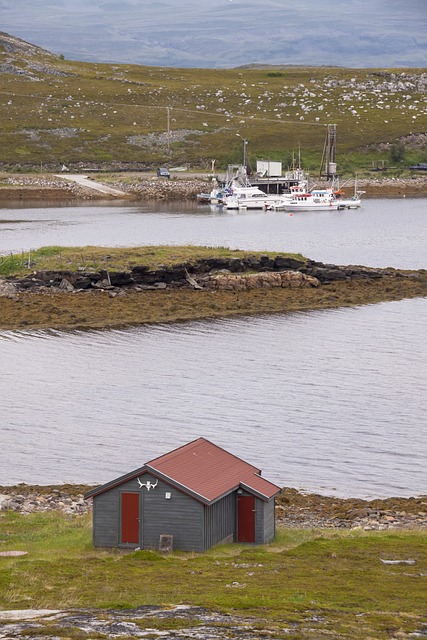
(331, 400)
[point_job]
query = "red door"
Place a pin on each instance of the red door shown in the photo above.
(245, 518)
(130, 518)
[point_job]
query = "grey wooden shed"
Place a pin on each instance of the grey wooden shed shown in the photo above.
(199, 494)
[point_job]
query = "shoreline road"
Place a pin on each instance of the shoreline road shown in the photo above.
(84, 181)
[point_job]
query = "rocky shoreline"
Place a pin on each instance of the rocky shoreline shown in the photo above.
(295, 509)
(227, 274)
(143, 186)
(193, 290)
(100, 308)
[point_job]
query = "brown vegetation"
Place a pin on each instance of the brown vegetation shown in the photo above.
(98, 309)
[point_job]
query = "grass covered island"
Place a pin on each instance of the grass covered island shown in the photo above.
(99, 287)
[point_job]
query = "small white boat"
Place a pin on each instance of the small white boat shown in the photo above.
(316, 200)
(349, 203)
(310, 202)
(248, 198)
(216, 196)
(203, 198)
(354, 202)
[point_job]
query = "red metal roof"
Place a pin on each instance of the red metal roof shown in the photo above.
(210, 472)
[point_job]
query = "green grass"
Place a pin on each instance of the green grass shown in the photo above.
(117, 259)
(335, 575)
(22, 263)
(104, 113)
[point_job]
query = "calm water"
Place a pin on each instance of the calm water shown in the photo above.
(333, 401)
(384, 232)
(328, 400)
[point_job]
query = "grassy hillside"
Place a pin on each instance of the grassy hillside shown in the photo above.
(334, 581)
(55, 111)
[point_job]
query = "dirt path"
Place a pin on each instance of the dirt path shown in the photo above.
(84, 181)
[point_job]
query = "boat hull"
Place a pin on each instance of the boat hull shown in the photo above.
(333, 205)
(237, 204)
(328, 206)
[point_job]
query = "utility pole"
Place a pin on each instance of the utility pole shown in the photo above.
(245, 142)
(168, 129)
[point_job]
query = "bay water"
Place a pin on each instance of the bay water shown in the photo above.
(331, 401)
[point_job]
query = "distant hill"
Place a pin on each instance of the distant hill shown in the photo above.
(55, 111)
(226, 33)
(11, 44)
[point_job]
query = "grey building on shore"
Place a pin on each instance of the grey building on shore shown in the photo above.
(197, 495)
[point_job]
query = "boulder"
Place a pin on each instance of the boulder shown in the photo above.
(65, 285)
(266, 280)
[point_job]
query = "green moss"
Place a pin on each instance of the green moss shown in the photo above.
(117, 259)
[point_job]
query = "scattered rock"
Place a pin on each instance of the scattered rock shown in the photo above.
(7, 290)
(313, 511)
(123, 623)
(65, 285)
(222, 274)
(43, 499)
(294, 508)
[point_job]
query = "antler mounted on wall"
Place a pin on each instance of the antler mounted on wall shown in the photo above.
(148, 485)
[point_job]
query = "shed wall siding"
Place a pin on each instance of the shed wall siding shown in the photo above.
(259, 521)
(220, 521)
(180, 516)
(264, 521)
(269, 521)
(194, 526)
(106, 520)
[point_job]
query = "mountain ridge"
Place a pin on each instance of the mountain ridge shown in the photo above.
(224, 34)
(13, 44)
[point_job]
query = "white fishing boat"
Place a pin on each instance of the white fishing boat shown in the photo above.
(331, 199)
(248, 198)
(235, 178)
(349, 203)
(280, 201)
(354, 202)
(218, 195)
(311, 201)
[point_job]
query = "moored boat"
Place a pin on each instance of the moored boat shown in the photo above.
(203, 198)
(328, 199)
(310, 202)
(248, 198)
